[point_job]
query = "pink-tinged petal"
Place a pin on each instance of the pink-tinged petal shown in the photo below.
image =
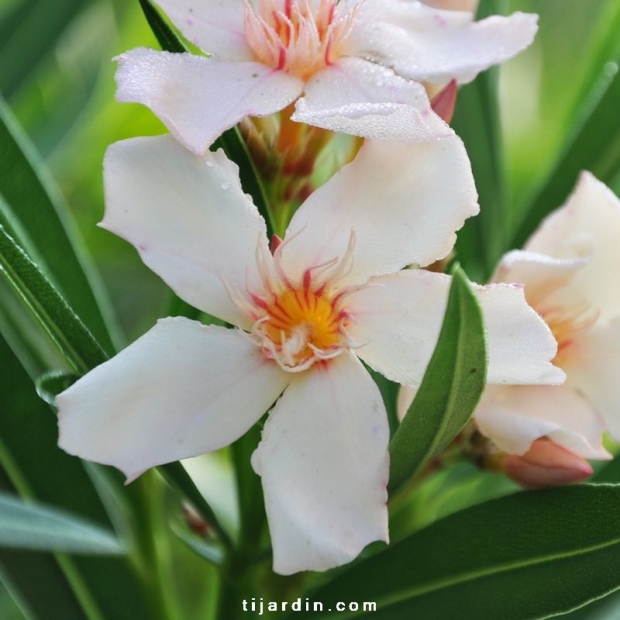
(357, 97)
(178, 391)
(546, 464)
(592, 364)
(324, 465)
(215, 26)
(189, 219)
(199, 98)
(426, 44)
(520, 344)
(587, 226)
(397, 320)
(515, 416)
(402, 202)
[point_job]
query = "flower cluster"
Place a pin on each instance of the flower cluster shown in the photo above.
(346, 285)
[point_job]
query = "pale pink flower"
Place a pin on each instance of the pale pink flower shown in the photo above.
(353, 66)
(333, 294)
(570, 271)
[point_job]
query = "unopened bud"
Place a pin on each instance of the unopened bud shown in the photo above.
(546, 464)
(444, 102)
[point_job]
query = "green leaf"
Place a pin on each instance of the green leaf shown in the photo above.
(452, 385)
(39, 527)
(29, 33)
(165, 35)
(531, 555)
(61, 324)
(52, 383)
(204, 548)
(589, 146)
(477, 122)
(35, 215)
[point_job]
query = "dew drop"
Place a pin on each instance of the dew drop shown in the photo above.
(210, 164)
(225, 185)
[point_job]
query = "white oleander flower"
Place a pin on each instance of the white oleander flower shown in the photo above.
(333, 293)
(353, 66)
(569, 267)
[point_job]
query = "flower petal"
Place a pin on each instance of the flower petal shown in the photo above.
(422, 43)
(397, 320)
(357, 97)
(199, 98)
(514, 416)
(543, 276)
(178, 391)
(588, 225)
(324, 464)
(215, 26)
(593, 366)
(402, 201)
(521, 345)
(189, 219)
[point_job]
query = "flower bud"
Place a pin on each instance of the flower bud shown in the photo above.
(444, 102)
(546, 464)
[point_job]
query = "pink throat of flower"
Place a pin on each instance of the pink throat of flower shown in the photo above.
(567, 324)
(299, 323)
(300, 37)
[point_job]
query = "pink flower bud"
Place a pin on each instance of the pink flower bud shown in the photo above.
(444, 102)
(546, 464)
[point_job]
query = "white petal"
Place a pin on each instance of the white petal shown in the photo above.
(588, 225)
(543, 276)
(398, 319)
(188, 218)
(402, 201)
(593, 366)
(422, 43)
(513, 417)
(178, 391)
(199, 98)
(521, 345)
(324, 464)
(215, 26)
(357, 97)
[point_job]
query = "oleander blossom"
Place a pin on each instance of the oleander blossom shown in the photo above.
(332, 294)
(569, 268)
(353, 66)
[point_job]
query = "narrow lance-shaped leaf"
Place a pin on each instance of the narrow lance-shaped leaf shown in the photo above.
(61, 324)
(452, 385)
(42, 528)
(529, 556)
(477, 121)
(590, 146)
(37, 218)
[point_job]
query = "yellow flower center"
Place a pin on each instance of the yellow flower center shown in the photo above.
(300, 37)
(301, 326)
